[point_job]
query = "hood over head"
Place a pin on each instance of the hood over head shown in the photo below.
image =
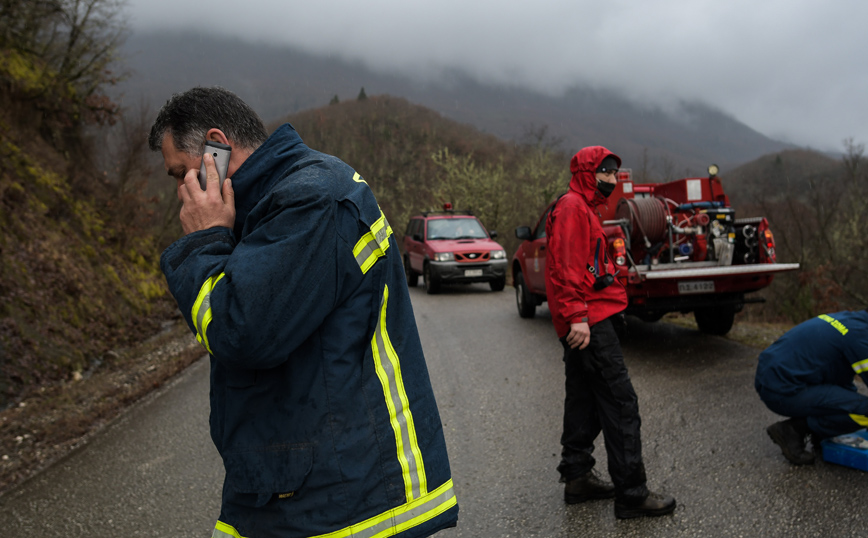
(584, 166)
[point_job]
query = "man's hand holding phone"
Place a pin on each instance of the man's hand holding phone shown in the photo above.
(213, 206)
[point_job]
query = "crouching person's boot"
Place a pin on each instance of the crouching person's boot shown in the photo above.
(654, 504)
(790, 435)
(587, 487)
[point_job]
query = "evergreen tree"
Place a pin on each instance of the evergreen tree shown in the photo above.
(362, 95)
(334, 100)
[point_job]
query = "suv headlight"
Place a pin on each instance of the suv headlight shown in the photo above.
(443, 257)
(498, 254)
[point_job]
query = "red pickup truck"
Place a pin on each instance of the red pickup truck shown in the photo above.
(677, 247)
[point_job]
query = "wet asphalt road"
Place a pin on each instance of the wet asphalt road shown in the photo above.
(499, 384)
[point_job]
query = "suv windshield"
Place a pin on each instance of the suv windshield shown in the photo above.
(455, 229)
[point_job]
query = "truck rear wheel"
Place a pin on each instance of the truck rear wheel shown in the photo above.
(523, 299)
(716, 321)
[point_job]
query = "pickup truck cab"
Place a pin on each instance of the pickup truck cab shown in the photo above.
(677, 247)
(452, 247)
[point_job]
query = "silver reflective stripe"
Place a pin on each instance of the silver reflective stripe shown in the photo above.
(402, 518)
(201, 312)
(388, 523)
(405, 443)
(203, 309)
(383, 233)
(220, 534)
(405, 517)
(367, 251)
(373, 245)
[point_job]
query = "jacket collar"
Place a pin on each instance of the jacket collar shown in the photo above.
(270, 163)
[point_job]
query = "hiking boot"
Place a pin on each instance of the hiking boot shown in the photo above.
(653, 505)
(586, 487)
(788, 435)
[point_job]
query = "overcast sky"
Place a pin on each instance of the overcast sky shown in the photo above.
(794, 70)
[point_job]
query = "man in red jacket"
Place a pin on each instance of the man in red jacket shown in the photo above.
(586, 301)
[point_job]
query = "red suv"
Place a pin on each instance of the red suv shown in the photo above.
(452, 247)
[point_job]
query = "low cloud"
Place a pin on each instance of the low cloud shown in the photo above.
(789, 69)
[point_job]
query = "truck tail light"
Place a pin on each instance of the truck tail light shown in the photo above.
(620, 251)
(768, 241)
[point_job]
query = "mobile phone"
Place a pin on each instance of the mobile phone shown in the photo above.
(221, 153)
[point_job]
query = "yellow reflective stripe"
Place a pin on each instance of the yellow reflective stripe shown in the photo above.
(860, 366)
(861, 420)
(222, 530)
(358, 179)
(388, 523)
(374, 244)
(202, 310)
(835, 323)
(388, 369)
(404, 517)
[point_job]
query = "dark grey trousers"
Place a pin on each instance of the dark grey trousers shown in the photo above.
(600, 398)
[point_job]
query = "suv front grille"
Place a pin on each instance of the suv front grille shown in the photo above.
(472, 257)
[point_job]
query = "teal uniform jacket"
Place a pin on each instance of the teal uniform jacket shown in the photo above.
(321, 405)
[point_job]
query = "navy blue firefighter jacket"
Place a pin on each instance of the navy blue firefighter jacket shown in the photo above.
(321, 405)
(830, 349)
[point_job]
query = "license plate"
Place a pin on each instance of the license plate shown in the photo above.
(473, 272)
(696, 286)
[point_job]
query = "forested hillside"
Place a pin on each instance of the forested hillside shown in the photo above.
(415, 160)
(79, 275)
(819, 214)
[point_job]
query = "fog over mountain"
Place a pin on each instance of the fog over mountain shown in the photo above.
(680, 139)
(786, 68)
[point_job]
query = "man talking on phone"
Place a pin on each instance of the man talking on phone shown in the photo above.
(321, 405)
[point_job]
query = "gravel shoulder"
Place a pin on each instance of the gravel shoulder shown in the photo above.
(59, 419)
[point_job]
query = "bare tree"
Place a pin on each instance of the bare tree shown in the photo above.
(69, 47)
(666, 168)
(853, 153)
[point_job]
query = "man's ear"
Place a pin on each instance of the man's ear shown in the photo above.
(216, 135)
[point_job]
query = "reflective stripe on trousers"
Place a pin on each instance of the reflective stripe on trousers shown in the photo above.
(389, 523)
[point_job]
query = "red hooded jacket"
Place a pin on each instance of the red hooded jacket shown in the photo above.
(573, 233)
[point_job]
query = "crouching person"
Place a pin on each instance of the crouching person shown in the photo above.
(808, 375)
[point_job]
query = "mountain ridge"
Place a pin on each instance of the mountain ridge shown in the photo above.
(285, 80)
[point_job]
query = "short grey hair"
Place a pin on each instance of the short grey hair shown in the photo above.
(188, 116)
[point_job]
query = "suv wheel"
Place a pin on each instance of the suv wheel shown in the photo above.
(497, 284)
(432, 285)
(412, 276)
(715, 320)
(525, 303)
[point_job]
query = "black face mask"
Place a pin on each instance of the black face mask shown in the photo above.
(605, 188)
